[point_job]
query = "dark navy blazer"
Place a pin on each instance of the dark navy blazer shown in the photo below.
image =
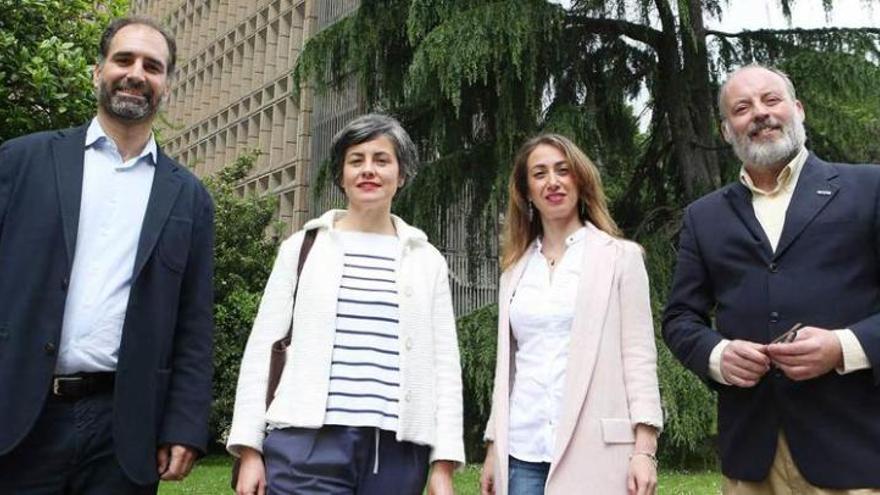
(163, 382)
(825, 273)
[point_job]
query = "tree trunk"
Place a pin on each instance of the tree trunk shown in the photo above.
(685, 98)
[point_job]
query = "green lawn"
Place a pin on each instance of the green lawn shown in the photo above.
(211, 476)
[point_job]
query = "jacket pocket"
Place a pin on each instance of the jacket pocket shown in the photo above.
(174, 243)
(616, 430)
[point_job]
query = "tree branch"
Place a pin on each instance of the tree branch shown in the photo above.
(760, 33)
(601, 25)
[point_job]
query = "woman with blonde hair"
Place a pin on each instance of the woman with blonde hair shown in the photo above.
(576, 404)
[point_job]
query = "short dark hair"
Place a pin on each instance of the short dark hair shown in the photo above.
(117, 24)
(366, 128)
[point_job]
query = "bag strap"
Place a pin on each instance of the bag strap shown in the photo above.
(307, 243)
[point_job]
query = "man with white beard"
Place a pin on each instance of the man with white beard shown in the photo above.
(785, 265)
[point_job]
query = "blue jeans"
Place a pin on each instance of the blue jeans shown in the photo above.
(526, 478)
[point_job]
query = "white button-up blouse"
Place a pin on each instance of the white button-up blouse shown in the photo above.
(541, 313)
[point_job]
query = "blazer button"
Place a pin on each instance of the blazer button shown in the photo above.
(407, 397)
(409, 343)
(773, 267)
(49, 348)
(408, 291)
(774, 317)
(65, 282)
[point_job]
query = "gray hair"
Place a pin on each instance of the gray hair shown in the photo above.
(366, 128)
(789, 86)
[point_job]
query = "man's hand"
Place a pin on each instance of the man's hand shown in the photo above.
(175, 461)
(487, 476)
(813, 353)
(440, 482)
(251, 473)
(743, 363)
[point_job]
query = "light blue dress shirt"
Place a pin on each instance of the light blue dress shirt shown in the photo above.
(114, 200)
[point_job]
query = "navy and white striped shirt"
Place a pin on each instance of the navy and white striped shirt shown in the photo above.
(365, 370)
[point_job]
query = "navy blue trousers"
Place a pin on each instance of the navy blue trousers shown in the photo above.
(337, 460)
(69, 451)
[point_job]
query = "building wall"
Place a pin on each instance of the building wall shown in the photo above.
(233, 92)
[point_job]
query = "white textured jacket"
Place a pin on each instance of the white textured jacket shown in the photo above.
(430, 388)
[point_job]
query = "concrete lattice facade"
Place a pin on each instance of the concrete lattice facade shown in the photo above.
(233, 90)
(233, 93)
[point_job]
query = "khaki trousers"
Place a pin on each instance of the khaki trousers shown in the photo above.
(785, 479)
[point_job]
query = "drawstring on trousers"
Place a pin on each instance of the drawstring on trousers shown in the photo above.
(376, 454)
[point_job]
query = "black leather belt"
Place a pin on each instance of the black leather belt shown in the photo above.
(75, 387)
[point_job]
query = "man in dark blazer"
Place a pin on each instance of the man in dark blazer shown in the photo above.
(795, 241)
(106, 249)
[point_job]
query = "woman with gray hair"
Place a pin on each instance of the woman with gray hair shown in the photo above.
(370, 395)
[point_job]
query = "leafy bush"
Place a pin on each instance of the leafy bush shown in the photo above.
(688, 404)
(477, 341)
(47, 48)
(243, 258)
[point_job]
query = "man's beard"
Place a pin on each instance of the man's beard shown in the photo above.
(773, 152)
(127, 107)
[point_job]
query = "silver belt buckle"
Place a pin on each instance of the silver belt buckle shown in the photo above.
(56, 383)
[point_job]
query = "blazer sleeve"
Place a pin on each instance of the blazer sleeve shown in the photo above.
(489, 432)
(188, 403)
(686, 319)
(449, 443)
(867, 331)
(272, 321)
(7, 176)
(639, 352)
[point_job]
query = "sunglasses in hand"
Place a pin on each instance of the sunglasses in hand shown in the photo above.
(789, 335)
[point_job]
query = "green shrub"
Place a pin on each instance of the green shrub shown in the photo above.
(477, 341)
(243, 258)
(688, 404)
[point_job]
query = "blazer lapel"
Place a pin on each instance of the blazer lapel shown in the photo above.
(504, 370)
(594, 292)
(814, 190)
(513, 280)
(166, 186)
(740, 199)
(68, 153)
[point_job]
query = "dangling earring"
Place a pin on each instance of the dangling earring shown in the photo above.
(531, 211)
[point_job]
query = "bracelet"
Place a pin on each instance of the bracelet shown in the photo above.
(649, 455)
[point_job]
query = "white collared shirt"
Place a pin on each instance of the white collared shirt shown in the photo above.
(771, 206)
(541, 314)
(114, 200)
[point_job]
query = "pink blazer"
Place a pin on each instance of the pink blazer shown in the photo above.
(611, 375)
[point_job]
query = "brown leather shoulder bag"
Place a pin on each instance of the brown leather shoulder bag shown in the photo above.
(279, 348)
